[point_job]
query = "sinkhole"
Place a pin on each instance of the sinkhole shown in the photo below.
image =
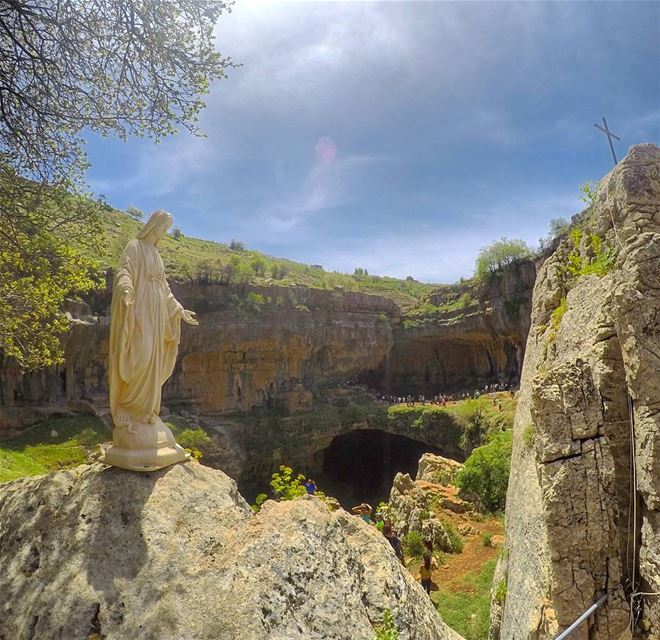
(360, 466)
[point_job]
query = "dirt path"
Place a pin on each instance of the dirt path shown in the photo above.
(475, 554)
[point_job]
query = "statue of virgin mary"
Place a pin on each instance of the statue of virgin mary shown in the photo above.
(145, 328)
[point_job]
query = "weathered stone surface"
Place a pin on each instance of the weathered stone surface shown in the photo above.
(178, 554)
(437, 469)
(570, 521)
(414, 504)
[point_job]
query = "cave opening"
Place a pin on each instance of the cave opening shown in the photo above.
(360, 466)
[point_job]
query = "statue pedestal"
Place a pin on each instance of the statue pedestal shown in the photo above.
(144, 447)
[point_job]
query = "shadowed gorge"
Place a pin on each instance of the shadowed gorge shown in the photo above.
(360, 466)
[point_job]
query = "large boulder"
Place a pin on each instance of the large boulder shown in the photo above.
(98, 552)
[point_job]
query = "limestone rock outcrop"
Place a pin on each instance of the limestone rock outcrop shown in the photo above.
(437, 469)
(583, 506)
(414, 504)
(177, 554)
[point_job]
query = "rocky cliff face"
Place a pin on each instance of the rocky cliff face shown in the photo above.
(256, 348)
(97, 552)
(282, 348)
(583, 507)
(474, 337)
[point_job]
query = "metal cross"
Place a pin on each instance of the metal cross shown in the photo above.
(610, 135)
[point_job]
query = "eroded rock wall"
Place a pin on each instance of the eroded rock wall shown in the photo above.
(467, 346)
(582, 511)
(273, 355)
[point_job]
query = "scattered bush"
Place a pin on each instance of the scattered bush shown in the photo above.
(236, 245)
(413, 544)
(285, 486)
(454, 537)
(177, 234)
(486, 471)
(558, 314)
(589, 191)
(192, 438)
(487, 539)
(134, 213)
(387, 629)
(254, 302)
(581, 263)
(258, 265)
(258, 501)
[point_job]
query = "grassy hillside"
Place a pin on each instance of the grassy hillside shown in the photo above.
(204, 261)
(56, 444)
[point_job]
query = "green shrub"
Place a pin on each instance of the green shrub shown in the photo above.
(413, 544)
(528, 435)
(486, 471)
(599, 263)
(258, 501)
(588, 192)
(424, 514)
(487, 539)
(454, 537)
(192, 438)
(285, 486)
(387, 629)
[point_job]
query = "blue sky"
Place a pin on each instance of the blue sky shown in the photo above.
(399, 136)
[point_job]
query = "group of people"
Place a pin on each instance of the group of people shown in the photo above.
(428, 564)
(442, 399)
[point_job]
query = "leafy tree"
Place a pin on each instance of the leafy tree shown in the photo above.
(177, 234)
(589, 191)
(258, 266)
(39, 269)
(118, 67)
(499, 254)
(558, 227)
(486, 471)
(236, 245)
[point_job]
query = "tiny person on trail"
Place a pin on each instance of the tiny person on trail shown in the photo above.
(425, 571)
(364, 511)
(389, 533)
(310, 486)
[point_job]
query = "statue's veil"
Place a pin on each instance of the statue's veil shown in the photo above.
(155, 219)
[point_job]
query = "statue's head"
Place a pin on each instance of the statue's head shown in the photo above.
(156, 227)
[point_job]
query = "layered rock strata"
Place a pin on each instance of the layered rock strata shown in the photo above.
(98, 552)
(282, 348)
(583, 507)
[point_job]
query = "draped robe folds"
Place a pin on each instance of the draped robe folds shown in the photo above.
(144, 336)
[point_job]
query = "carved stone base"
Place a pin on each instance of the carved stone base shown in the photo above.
(144, 447)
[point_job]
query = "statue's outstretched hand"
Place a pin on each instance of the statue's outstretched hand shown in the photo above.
(127, 296)
(189, 317)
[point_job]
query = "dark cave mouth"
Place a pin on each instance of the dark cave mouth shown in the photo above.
(360, 466)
